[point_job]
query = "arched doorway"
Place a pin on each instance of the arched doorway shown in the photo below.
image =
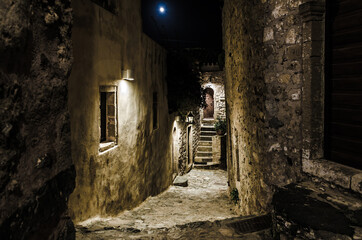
(209, 100)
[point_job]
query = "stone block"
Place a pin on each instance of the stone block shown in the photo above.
(181, 181)
(333, 172)
(216, 148)
(268, 34)
(356, 183)
(291, 37)
(294, 52)
(311, 210)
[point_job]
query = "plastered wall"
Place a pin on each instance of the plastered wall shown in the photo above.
(139, 165)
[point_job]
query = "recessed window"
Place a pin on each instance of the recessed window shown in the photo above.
(108, 117)
(155, 110)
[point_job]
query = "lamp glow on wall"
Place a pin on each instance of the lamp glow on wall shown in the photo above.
(127, 75)
(190, 118)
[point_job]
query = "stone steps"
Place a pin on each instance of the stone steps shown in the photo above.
(204, 148)
(206, 139)
(202, 160)
(208, 133)
(207, 124)
(205, 143)
(204, 154)
(207, 129)
(209, 165)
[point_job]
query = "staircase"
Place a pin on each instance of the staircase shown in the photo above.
(204, 156)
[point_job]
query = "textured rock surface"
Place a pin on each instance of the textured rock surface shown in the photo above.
(344, 176)
(140, 164)
(218, 230)
(317, 210)
(181, 181)
(205, 199)
(36, 171)
(262, 42)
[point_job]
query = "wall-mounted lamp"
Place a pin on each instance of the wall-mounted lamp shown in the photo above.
(127, 75)
(190, 118)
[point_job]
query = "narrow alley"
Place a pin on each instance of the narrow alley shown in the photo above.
(202, 210)
(181, 119)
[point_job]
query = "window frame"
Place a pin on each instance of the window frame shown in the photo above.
(108, 143)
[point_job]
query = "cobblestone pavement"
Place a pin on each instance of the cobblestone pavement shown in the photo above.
(200, 211)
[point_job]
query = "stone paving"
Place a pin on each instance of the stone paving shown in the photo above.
(199, 211)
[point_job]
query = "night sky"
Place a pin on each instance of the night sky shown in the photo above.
(184, 23)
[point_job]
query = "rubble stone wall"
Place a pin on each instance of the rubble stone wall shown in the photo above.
(36, 170)
(263, 51)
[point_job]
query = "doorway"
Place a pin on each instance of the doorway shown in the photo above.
(174, 151)
(189, 146)
(209, 100)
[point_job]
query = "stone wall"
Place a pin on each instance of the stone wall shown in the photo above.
(140, 164)
(36, 170)
(181, 158)
(262, 42)
(215, 80)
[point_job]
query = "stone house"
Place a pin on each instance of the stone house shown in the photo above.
(96, 109)
(294, 111)
(85, 129)
(208, 152)
(118, 110)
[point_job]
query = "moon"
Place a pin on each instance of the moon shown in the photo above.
(162, 9)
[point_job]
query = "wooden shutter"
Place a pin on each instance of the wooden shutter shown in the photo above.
(344, 82)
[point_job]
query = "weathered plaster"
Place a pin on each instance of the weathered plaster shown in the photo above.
(140, 164)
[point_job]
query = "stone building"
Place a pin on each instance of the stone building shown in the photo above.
(185, 138)
(293, 113)
(111, 150)
(209, 146)
(118, 107)
(85, 128)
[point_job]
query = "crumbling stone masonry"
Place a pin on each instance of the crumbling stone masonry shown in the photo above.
(275, 61)
(262, 41)
(36, 170)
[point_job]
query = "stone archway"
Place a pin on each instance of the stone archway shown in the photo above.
(209, 100)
